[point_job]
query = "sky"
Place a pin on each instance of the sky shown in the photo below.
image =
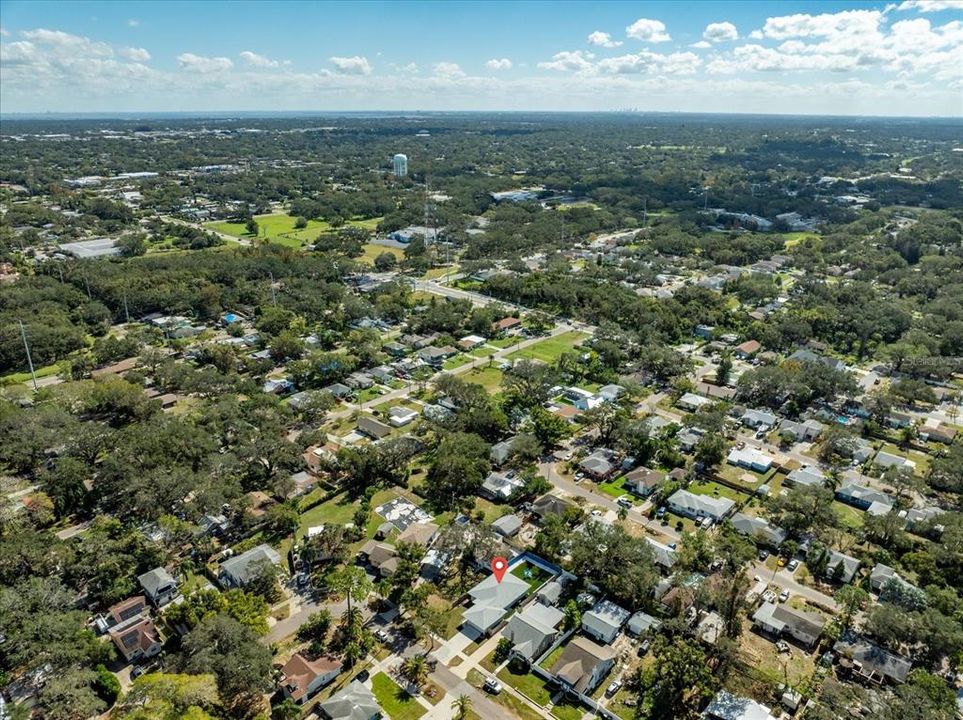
(818, 57)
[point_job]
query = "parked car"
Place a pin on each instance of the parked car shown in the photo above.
(613, 688)
(660, 512)
(624, 502)
(493, 686)
(138, 671)
(763, 554)
(644, 647)
(783, 596)
(793, 564)
(382, 636)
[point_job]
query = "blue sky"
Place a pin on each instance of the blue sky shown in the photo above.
(902, 58)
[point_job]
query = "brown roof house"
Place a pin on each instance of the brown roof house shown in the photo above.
(302, 678)
(582, 665)
(137, 639)
(121, 613)
(380, 556)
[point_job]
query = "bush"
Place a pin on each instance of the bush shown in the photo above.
(107, 686)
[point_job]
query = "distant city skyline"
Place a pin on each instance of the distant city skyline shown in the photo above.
(825, 58)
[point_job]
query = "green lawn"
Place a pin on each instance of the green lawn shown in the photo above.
(456, 361)
(489, 378)
(371, 251)
(613, 487)
(922, 461)
(849, 517)
(549, 349)
(714, 489)
(527, 683)
(337, 511)
(279, 228)
(24, 377)
(396, 702)
(565, 710)
(531, 574)
(515, 706)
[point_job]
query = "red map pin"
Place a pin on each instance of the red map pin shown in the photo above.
(499, 566)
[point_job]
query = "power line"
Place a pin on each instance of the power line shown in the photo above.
(26, 346)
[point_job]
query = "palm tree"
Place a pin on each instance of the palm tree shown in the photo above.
(351, 583)
(462, 706)
(415, 669)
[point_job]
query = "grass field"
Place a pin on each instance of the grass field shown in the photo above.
(489, 378)
(849, 517)
(713, 489)
(549, 349)
(526, 683)
(371, 251)
(397, 703)
(279, 228)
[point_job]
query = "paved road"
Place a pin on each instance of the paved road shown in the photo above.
(784, 579)
(200, 226)
(286, 627)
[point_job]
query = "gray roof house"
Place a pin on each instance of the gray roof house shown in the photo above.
(533, 630)
(159, 586)
(238, 571)
(492, 599)
(663, 554)
(604, 621)
(642, 481)
(872, 662)
(849, 563)
(507, 525)
(758, 418)
(375, 429)
(641, 623)
(781, 620)
(808, 430)
(726, 706)
(883, 574)
(550, 593)
(502, 451)
(863, 497)
(500, 486)
(758, 528)
(806, 475)
(691, 505)
(600, 464)
(355, 702)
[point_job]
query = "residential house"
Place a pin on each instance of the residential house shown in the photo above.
(881, 575)
(782, 621)
(339, 391)
(435, 356)
(383, 558)
(871, 662)
(750, 458)
(692, 402)
(848, 567)
(865, 498)
(549, 504)
(683, 502)
(395, 349)
(664, 556)
(610, 393)
(726, 706)
(492, 599)
(756, 419)
(642, 623)
(502, 451)
(384, 374)
(373, 428)
(804, 431)
(533, 630)
(423, 533)
(941, 434)
(137, 639)
(238, 571)
(399, 416)
(715, 392)
(747, 349)
(600, 464)
(278, 386)
(550, 593)
(885, 460)
(355, 702)
(499, 486)
(604, 621)
(582, 665)
(507, 525)
(918, 518)
(302, 678)
(704, 331)
(760, 529)
(804, 356)
(359, 381)
(807, 476)
(508, 326)
(642, 481)
(470, 342)
(898, 420)
(159, 585)
(121, 613)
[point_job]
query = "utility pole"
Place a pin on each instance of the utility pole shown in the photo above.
(87, 283)
(26, 346)
(705, 198)
(645, 211)
(126, 311)
(274, 297)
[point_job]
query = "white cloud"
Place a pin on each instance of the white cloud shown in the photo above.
(648, 31)
(135, 54)
(255, 60)
(65, 41)
(201, 64)
(571, 60)
(603, 39)
(683, 63)
(499, 64)
(847, 22)
(448, 70)
(720, 32)
(133, 22)
(4, 32)
(702, 45)
(928, 6)
(355, 65)
(755, 35)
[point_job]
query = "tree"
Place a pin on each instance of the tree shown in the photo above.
(315, 628)
(233, 653)
(132, 245)
(724, 369)
(528, 382)
(462, 707)
(850, 598)
(162, 696)
(287, 709)
(710, 449)
(573, 615)
(351, 583)
(805, 508)
(251, 226)
(70, 695)
(547, 427)
(615, 561)
(677, 683)
(415, 669)
(460, 464)
(385, 261)
(264, 581)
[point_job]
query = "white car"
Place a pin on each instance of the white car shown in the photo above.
(783, 596)
(613, 688)
(493, 686)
